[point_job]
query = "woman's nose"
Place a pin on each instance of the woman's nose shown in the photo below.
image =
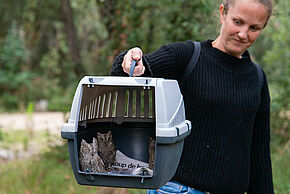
(243, 34)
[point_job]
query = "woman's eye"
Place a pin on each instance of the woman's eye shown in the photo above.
(237, 22)
(253, 28)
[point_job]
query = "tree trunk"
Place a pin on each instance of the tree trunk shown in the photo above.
(72, 38)
(108, 16)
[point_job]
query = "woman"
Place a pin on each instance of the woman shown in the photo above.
(228, 149)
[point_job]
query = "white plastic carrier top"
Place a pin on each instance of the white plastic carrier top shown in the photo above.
(169, 105)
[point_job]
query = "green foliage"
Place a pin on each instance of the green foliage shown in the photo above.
(183, 20)
(278, 56)
(14, 78)
(61, 101)
(30, 108)
(35, 54)
(10, 11)
(1, 134)
(149, 24)
(280, 163)
(42, 67)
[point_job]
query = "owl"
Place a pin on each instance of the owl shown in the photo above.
(151, 153)
(85, 156)
(106, 149)
(97, 164)
(90, 161)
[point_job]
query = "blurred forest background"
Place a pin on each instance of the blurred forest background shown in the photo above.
(46, 47)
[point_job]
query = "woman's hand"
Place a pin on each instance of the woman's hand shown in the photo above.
(133, 54)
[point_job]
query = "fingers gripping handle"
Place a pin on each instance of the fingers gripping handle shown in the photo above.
(132, 67)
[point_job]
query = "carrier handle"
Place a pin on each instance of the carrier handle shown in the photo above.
(132, 67)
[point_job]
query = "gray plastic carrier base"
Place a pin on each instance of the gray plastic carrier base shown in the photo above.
(166, 153)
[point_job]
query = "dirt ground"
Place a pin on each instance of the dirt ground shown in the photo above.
(38, 121)
(50, 121)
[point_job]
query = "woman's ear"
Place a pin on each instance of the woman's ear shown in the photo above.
(222, 13)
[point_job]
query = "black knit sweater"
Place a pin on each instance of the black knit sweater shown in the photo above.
(228, 149)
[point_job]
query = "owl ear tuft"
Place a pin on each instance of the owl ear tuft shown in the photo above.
(95, 140)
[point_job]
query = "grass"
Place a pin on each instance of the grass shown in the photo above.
(50, 171)
(17, 140)
(281, 167)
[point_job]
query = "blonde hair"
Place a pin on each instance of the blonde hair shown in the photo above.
(268, 4)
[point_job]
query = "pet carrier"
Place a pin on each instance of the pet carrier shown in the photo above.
(146, 120)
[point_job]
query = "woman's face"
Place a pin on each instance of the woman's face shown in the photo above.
(241, 26)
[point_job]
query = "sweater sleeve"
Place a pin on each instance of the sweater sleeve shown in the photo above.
(117, 69)
(168, 61)
(261, 171)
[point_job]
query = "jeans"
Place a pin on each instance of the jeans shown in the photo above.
(175, 187)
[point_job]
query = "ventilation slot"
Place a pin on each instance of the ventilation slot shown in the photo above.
(117, 104)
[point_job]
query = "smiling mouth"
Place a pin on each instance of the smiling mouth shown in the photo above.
(241, 42)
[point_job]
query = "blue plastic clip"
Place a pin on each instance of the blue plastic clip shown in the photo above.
(132, 67)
